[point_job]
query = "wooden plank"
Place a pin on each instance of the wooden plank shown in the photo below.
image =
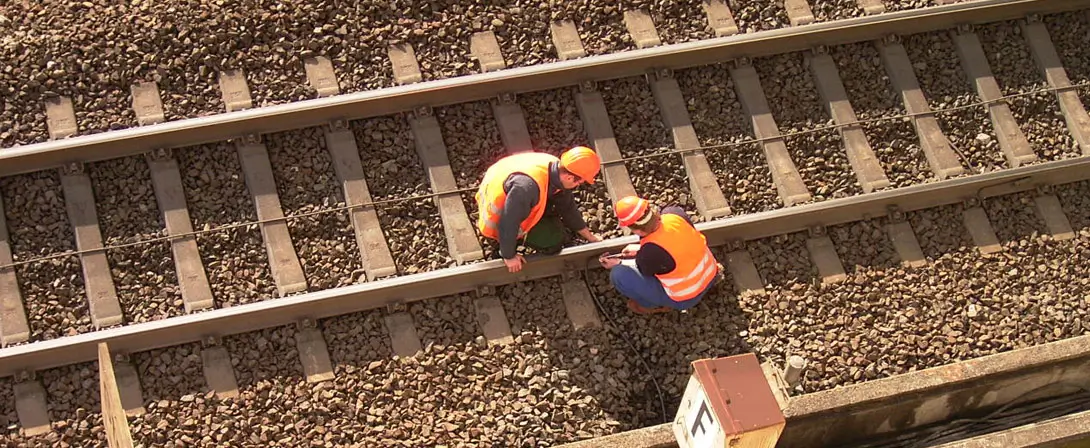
(462, 241)
(1052, 213)
(592, 110)
(1074, 112)
(798, 12)
(785, 176)
(746, 277)
(512, 125)
(905, 243)
(218, 372)
(871, 7)
(321, 76)
(60, 117)
(980, 229)
(868, 170)
(113, 415)
(403, 61)
(283, 261)
(484, 47)
(128, 385)
(936, 147)
(375, 257)
(566, 40)
(1012, 141)
(641, 28)
(30, 405)
(235, 91)
(823, 255)
(579, 303)
(192, 279)
(403, 339)
(13, 323)
(79, 200)
(313, 354)
(720, 20)
(147, 104)
(493, 320)
(708, 196)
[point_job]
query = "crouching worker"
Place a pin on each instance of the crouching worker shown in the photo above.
(673, 266)
(524, 197)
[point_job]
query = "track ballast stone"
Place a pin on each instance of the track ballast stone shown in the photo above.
(719, 120)
(37, 221)
(1016, 71)
(307, 183)
(144, 275)
(798, 109)
(893, 140)
(553, 120)
(943, 80)
(215, 190)
(413, 229)
(640, 131)
(1070, 34)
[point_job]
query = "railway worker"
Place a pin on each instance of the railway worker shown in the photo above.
(522, 196)
(673, 269)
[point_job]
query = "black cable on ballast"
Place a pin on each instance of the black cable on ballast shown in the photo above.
(613, 327)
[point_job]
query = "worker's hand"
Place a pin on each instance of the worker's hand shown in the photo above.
(514, 264)
(608, 263)
(630, 250)
(589, 236)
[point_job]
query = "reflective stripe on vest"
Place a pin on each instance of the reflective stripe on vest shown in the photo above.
(695, 266)
(491, 197)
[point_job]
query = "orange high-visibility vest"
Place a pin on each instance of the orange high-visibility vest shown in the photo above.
(491, 197)
(695, 266)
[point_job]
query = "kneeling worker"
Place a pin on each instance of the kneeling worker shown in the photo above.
(521, 196)
(673, 269)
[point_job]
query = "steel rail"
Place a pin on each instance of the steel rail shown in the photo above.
(410, 288)
(463, 89)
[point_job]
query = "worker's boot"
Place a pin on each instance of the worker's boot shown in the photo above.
(640, 309)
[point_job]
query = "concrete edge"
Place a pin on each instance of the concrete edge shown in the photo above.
(1069, 428)
(949, 376)
(658, 436)
(842, 402)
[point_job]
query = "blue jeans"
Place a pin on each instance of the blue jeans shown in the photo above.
(648, 291)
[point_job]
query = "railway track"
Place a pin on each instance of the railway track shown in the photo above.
(829, 162)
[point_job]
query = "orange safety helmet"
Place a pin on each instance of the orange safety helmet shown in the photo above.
(631, 210)
(581, 161)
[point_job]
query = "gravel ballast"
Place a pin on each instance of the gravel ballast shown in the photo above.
(553, 120)
(718, 119)
(393, 170)
(144, 275)
(894, 141)
(639, 129)
(52, 290)
(942, 79)
(9, 420)
(1016, 71)
(1070, 33)
(215, 190)
(93, 54)
(306, 183)
(473, 144)
(554, 384)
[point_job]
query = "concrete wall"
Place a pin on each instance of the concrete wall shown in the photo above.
(860, 412)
